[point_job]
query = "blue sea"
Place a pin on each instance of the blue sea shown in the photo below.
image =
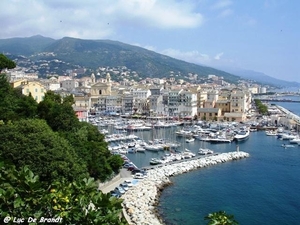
(261, 189)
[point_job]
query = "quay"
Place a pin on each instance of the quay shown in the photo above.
(278, 100)
(178, 161)
(289, 114)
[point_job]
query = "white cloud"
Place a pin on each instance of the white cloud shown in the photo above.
(221, 4)
(148, 47)
(218, 56)
(199, 58)
(226, 12)
(93, 18)
(189, 56)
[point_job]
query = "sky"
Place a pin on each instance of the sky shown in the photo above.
(258, 35)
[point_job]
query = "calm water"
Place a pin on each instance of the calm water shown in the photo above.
(262, 189)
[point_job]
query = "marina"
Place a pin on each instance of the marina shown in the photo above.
(263, 144)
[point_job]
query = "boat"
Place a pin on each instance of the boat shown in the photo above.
(271, 133)
(140, 149)
(131, 150)
(155, 161)
(242, 135)
(221, 139)
(152, 148)
(288, 136)
(295, 141)
(287, 146)
(183, 133)
(205, 151)
(190, 139)
(187, 154)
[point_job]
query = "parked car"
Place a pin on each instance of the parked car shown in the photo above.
(131, 168)
(138, 176)
(134, 171)
(120, 189)
(115, 194)
(129, 183)
(125, 186)
(127, 164)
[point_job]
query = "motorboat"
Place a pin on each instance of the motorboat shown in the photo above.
(288, 136)
(155, 161)
(221, 139)
(242, 135)
(187, 154)
(287, 146)
(188, 140)
(205, 151)
(271, 133)
(140, 149)
(155, 148)
(295, 141)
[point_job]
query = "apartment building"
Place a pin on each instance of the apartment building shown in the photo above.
(33, 88)
(187, 106)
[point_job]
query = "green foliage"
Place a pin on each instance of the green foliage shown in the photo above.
(220, 218)
(23, 195)
(14, 105)
(32, 142)
(262, 109)
(6, 63)
(58, 112)
(89, 145)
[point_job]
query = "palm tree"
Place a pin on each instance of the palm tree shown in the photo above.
(220, 218)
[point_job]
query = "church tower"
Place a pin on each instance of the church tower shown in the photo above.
(108, 81)
(108, 78)
(93, 78)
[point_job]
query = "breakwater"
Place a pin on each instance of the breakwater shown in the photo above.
(141, 200)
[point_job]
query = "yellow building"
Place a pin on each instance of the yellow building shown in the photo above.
(36, 89)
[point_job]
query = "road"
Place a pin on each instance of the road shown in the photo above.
(124, 175)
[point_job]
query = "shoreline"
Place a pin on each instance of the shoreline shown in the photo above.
(141, 200)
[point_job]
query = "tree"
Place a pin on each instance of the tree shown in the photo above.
(32, 142)
(91, 148)
(14, 105)
(220, 218)
(6, 63)
(23, 195)
(58, 112)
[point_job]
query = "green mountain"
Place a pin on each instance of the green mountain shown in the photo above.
(92, 54)
(25, 46)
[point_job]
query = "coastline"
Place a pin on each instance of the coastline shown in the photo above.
(141, 200)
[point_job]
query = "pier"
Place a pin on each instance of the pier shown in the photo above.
(289, 114)
(278, 100)
(178, 161)
(140, 201)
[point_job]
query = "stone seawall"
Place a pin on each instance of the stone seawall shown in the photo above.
(140, 201)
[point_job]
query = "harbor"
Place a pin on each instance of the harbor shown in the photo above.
(142, 159)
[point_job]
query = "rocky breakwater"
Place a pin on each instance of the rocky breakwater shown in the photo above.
(141, 200)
